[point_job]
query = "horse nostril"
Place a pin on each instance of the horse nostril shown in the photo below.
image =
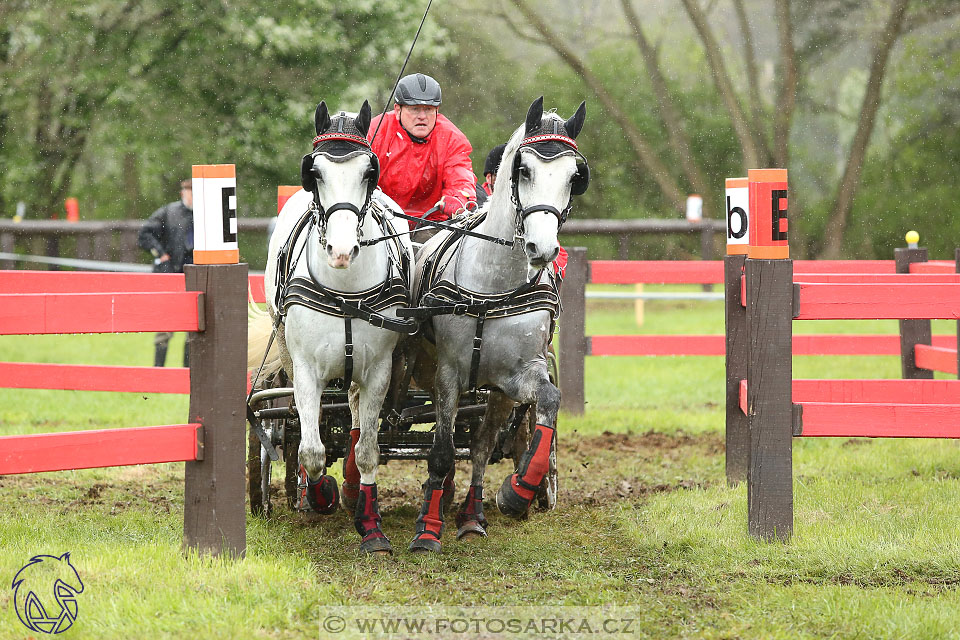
(531, 249)
(354, 251)
(553, 256)
(329, 249)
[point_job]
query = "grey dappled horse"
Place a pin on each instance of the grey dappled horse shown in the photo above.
(540, 172)
(322, 242)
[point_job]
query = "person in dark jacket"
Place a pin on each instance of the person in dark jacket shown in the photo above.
(168, 236)
(490, 167)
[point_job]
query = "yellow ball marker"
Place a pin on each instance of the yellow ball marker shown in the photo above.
(912, 239)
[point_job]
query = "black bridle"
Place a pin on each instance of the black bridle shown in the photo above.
(579, 183)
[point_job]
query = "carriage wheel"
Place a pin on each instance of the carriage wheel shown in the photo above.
(291, 446)
(265, 468)
(253, 473)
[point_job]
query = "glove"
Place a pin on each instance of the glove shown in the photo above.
(453, 207)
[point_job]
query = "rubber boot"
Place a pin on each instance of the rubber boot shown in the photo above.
(321, 496)
(430, 520)
(470, 519)
(367, 521)
(518, 490)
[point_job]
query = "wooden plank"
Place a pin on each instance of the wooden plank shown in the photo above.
(214, 516)
(41, 313)
(98, 448)
(88, 282)
(880, 278)
(935, 358)
(805, 267)
(876, 420)
(879, 301)
(870, 391)
(842, 344)
(572, 342)
(86, 377)
(770, 416)
(656, 271)
(257, 288)
(933, 266)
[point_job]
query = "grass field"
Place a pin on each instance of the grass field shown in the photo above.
(644, 517)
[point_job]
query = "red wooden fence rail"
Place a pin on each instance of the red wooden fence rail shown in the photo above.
(209, 300)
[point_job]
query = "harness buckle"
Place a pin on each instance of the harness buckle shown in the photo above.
(477, 341)
(376, 320)
(348, 349)
(460, 309)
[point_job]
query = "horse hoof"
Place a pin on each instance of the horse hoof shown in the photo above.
(509, 502)
(349, 494)
(321, 497)
(379, 546)
(424, 545)
(471, 531)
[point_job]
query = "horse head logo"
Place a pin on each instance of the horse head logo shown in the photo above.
(45, 593)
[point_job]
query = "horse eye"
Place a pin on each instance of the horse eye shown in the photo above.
(524, 171)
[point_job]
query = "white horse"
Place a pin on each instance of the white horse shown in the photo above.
(331, 285)
(508, 287)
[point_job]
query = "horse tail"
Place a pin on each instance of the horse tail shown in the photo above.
(259, 330)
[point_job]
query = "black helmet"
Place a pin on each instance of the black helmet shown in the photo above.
(418, 89)
(493, 159)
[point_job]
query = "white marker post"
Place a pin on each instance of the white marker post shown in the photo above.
(738, 216)
(215, 214)
(694, 208)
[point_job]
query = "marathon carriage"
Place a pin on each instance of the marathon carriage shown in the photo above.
(347, 317)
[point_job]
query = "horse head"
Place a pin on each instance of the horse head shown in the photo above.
(546, 171)
(341, 172)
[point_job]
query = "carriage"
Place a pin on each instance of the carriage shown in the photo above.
(405, 434)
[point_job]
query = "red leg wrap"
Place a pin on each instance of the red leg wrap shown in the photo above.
(534, 464)
(351, 474)
(367, 519)
(472, 509)
(430, 521)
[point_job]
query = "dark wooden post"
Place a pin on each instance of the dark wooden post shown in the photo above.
(737, 433)
(214, 517)
(769, 288)
(735, 313)
(912, 332)
(573, 340)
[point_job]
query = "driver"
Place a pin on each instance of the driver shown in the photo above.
(424, 158)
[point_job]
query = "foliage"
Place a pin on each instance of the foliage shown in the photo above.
(113, 102)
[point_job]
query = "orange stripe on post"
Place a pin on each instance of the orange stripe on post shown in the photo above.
(214, 171)
(283, 194)
(217, 256)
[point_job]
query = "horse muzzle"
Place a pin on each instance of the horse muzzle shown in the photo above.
(539, 256)
(341, 257)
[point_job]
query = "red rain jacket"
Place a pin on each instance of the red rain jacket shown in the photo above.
(416, 175)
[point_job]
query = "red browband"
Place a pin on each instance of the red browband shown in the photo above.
(340, 136)
(549, 138)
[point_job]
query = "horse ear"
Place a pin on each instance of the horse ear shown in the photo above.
(575, 123)
(534, 116)
(307, 179)
(363, 118)
(321, 119)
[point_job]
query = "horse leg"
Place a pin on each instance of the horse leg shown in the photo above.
(367, 513)
(470, 519)
(351, 474)
(440, 461)
(520, 488)
(316, 491)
